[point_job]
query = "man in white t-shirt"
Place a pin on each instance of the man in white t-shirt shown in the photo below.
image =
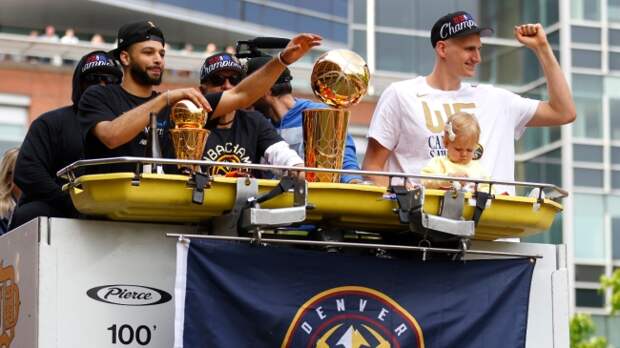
(407, 125)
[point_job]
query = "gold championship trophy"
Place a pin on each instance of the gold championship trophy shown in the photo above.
(340, 79)
(189, 136)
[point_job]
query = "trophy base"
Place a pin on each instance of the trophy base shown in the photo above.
(189, 144)
(325, 134)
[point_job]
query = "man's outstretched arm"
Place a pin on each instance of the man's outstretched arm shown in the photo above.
(257, 84)
(560, 108)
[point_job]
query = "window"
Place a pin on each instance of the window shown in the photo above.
(587, 153)
(588, 90)
(588, 227)
(588, 177)
(508, 65)
(403, 53)
(589, 298)
(586, 59)
(586, 9)
(586, 35)
(359, 42)
(13, 116)
(585, 273)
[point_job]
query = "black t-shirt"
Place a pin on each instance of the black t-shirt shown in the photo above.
(244, 142)
(105, 103)
(53, 142)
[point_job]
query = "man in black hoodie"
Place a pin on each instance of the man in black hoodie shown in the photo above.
(53, 142)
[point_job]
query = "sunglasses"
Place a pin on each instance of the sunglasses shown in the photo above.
(217, 80)
(98, 78)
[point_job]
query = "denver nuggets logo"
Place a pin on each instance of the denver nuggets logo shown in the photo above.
(353, 317)
(222, 170)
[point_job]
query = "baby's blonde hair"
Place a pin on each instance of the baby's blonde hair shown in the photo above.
(462, 124)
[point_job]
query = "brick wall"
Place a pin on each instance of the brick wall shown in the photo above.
(50, 87)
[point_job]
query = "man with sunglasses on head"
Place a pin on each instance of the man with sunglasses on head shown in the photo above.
(53, 142)
(113, 118)
(240, 136)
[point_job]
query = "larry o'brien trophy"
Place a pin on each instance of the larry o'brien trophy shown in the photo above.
(189, 136)
(340, 79)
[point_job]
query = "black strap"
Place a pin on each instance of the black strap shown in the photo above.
(285, 184)
(409, 202)
(481, 203)
(201, 180)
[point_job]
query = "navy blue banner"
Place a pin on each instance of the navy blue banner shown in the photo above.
(240, 295)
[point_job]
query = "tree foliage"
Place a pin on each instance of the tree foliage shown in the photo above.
(582, 329)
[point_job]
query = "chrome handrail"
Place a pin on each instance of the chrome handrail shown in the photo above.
(68, 171)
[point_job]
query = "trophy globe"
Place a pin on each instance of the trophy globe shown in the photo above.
(339, 79)
(189, 136)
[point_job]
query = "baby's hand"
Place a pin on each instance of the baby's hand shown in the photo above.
(459, 175)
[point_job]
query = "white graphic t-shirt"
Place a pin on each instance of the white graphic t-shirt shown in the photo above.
(410, 116)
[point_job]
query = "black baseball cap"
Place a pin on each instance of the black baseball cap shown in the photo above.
(254, 64)
(456, 24)
(132, 33)
(219, 62)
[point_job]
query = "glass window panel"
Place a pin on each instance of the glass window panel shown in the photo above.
(586, 35)
(615, 179)
(544, 168)
(401, 52)
(396, 13)
(359, 11)
(614, 118)
(585, 273)
(612, 86)
(589, 298)
(615, 236)
(586, 9)
(502, 15)
(588, 153)
(589, 124)
(587, 85)
(586, 58)
(588, 227)
(587, 90)
(615, 155)
(588, 177)
(614, 37)
(614, 61)
(359, 42)
(508, 65)
(613, 10)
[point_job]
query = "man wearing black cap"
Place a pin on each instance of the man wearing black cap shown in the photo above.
(113, 118)
(286, 113)
(241, 136)
(53, 142)
(408, 123)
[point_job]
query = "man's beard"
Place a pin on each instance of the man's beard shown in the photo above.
(142, 77)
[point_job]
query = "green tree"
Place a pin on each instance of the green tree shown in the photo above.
(581, 330)
(612, 283)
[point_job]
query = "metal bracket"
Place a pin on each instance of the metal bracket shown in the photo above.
(461, 228)
(226, 224)
(452, 204)
(254, 216)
